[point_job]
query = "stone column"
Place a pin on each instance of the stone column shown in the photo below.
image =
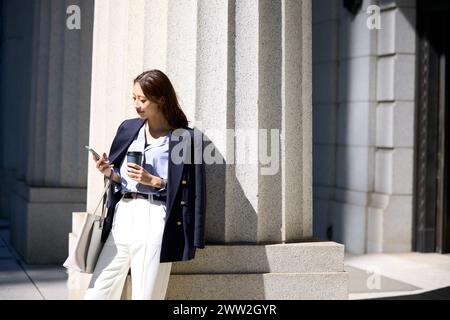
(245, 77)
(253, 73)
(242, 66)
(52, 180)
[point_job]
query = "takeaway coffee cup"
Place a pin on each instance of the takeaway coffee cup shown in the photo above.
(134, 157)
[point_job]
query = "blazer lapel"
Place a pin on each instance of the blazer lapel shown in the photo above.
(120, 146)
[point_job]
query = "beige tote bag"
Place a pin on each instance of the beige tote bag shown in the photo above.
(84, 255)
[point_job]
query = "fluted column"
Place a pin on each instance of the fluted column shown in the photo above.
(243, 67)
(60, 75)
(296, 133)
(129, 37)
(52, 179)
(38, 97)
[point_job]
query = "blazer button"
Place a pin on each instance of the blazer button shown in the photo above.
(182, 203)
(179, 223)
(183, 182)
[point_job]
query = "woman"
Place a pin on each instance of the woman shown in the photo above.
(156, 210)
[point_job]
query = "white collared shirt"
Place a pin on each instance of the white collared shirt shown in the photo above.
(155, 160)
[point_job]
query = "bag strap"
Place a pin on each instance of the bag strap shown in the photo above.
(101, 199)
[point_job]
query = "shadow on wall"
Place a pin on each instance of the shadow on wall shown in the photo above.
(242, 213)
(225, 217)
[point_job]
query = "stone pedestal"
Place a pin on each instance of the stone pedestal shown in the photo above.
(41, 219)
(280, 271)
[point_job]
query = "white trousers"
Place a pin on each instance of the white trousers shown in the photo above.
(134, 241)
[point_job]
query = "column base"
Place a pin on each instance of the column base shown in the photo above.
(41, 219)
(309, 270)
(295, 286)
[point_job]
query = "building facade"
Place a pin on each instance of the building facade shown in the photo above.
(380, 125)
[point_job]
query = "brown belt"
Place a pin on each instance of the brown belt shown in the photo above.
(137, 195)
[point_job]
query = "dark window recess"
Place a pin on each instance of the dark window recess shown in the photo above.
(432, 140)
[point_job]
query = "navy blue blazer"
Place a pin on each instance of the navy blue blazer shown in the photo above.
(186, 195)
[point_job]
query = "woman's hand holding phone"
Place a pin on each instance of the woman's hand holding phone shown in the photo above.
(101, 162)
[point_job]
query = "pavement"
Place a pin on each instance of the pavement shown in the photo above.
(406, 276)
(21, 281)
(371, 276)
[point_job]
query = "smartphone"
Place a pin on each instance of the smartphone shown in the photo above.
(97, 156)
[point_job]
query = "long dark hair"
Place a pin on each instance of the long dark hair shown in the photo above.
(158, 89)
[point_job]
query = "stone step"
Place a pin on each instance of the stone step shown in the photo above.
(281, 258)
(278, 258)
(277, 286)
